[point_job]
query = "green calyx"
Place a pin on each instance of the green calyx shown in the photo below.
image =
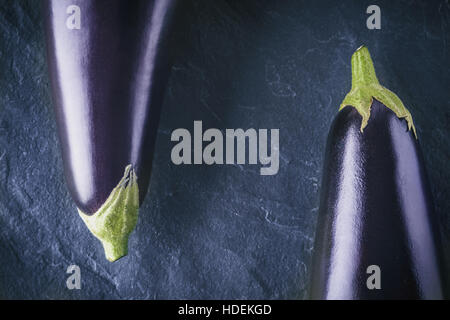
(365, 87)
(113, 223)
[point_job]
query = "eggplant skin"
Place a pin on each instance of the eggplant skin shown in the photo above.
(375, 209)
(108, 79)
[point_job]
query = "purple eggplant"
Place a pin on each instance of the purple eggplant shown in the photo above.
(109, 63)
(377, 236)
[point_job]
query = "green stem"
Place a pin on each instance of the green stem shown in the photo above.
(363, 71)
(113, 223)
(366, 87)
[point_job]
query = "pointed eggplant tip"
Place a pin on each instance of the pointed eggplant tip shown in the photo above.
(115, 251)
(113, 223)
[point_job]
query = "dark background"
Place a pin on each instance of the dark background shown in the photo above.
(221, 231)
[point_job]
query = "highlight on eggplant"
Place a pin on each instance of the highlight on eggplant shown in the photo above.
(376, 212)
(109, 62)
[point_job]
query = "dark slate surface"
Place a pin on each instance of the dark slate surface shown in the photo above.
(223, 231)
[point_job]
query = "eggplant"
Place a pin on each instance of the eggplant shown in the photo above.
(109, 63)
(376, 213)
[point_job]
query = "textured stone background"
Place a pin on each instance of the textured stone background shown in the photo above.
(223, 231)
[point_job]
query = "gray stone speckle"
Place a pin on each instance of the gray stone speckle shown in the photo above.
(221, 231)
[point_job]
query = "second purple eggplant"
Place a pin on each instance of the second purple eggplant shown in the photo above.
(377, 236)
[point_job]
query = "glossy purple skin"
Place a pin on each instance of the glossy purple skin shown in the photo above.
(375, 209)
(108, 80)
